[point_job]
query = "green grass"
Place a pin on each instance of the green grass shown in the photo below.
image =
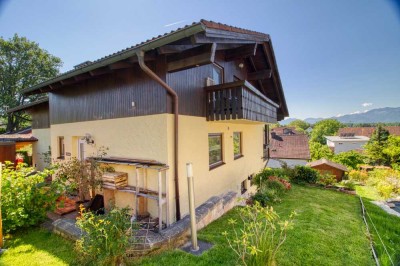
(35, 246)
(388, 227)
(328, 231)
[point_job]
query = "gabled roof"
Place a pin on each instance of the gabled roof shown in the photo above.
(285, 131)
(367, 131)
(28, 105)
(199, 33)
(289, 147)
(330, 163)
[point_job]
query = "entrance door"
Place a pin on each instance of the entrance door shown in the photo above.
(81, 149)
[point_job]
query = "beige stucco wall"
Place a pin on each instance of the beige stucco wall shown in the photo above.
(39, 147)
(193, 147)
(151, 137)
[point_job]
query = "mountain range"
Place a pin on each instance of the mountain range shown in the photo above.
(380, 115)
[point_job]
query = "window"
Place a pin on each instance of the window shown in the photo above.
(61, 148)
(243, 186)
(217, 74)
(237, 145)
(266, 142)
(215, 150)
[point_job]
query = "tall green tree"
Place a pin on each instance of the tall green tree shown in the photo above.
(299, 125)
(327, 127)
(319, 151)
(22, 64)
(392, 149)
(376, 145)
(351, 159)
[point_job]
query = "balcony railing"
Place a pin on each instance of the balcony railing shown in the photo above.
(239, 100)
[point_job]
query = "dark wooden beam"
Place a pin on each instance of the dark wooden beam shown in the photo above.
(200, 38)
(259, 75)
(194, 57)
(241, 52)
(100, 71)
(173, 49)
(83, 76)
(120, 65)
(260, 85)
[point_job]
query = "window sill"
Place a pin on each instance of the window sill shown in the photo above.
(238, 156)
(216, 165)
(61, 158)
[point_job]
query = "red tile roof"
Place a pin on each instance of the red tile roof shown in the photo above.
(289, 146)
(367, 131)
(330, 163)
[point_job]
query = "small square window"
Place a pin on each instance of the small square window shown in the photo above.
(237, 145)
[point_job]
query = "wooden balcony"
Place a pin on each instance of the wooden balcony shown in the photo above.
(239, 100)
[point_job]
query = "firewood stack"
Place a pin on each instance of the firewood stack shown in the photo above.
(115, 180)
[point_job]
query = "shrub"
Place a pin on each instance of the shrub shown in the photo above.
(258, 235)
(305, 174)
(106, 237)
(26, 198)
(350, 185)
(284, 182)
(261, 198)
(326, 179)
(360, 176)
(265, 173)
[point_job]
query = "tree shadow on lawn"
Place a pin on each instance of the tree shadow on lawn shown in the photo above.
(37, 240)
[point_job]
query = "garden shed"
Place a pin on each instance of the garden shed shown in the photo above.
(324, 165)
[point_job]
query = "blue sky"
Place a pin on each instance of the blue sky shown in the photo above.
(333, 56)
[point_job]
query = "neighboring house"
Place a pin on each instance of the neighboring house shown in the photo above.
(346, 142)
(11, 142)
(288, 146)
(201, 94)
(39, 110)
(326, 166)
(367, 131)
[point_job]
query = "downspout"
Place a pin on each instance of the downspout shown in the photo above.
(148, 71)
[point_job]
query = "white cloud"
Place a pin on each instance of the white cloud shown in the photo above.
(366, 104)
(339, 115)
(174, 23)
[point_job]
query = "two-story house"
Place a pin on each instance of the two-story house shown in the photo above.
(203, 94)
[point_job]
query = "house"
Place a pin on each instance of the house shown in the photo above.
(367, 131)
(326, 166)
(10, 143)
(288, 146)
(203, 94)
(346, 142)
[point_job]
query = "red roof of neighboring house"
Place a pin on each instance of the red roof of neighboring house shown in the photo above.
(284, 146)
(24, 135)
(330, 163)
(367, 131)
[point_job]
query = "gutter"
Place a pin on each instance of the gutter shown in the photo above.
(148, 71)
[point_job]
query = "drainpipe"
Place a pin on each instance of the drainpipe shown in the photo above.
(148, 71)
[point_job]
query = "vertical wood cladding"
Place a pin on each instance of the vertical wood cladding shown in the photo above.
(189, 84)
(40, 116)
(110, 96)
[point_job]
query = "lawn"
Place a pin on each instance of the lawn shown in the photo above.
(36, 246)
(328, 231)
(388, 227)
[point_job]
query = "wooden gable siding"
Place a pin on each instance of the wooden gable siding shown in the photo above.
(40, 116)
(110, 96)
(189, 84)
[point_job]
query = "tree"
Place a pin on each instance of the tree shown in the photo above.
(392, 150)
(299, 125)
(319, 151)
(328, 127)
(22, 64)
(351, 159)
(375, 146)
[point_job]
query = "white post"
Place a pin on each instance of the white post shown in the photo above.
(192, 210)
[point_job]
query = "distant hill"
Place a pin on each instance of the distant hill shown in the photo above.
(381, 115)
